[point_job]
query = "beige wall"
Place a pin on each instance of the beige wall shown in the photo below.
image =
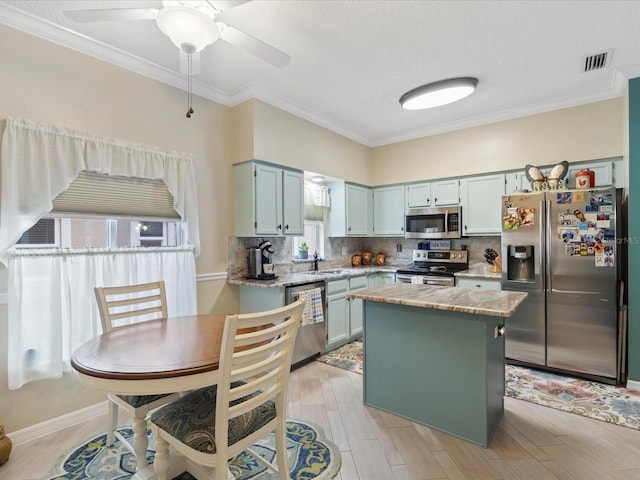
(288, 140)
(581, 133)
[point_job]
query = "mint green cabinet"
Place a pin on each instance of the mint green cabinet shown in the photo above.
(418, 195)
(439, 368)
(337, 313)
(433, 194)
(344, 316)
(350, 211)
(481, 204)
(388, 211)
(268, 200)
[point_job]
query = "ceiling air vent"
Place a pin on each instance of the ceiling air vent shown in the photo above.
(597, 61)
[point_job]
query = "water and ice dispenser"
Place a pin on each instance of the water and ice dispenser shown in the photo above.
(520, 263)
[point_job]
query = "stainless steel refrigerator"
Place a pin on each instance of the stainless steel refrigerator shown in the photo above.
(561, 248)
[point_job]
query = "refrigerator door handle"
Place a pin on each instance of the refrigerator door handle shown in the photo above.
(574, 292)
(545, 242)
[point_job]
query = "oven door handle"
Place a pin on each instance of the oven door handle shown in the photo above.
(446, 221)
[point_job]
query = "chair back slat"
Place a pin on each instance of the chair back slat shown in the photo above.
(139, 302)
(256, 350)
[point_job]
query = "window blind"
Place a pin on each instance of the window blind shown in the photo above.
(94, 194)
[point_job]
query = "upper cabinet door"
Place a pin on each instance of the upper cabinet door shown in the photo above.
(418, 195)
(445, 192)
(268, 181)
(357, 210)
(481, 204)
(293, 202)
(388, 210)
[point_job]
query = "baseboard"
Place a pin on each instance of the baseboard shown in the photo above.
(58, 423)
(633, 385)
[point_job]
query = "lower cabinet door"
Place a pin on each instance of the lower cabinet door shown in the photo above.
(337, 319)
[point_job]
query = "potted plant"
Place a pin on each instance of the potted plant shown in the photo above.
(303, 250)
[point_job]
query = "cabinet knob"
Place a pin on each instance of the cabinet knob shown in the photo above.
(280, 227)
(286, 227)
(349, 229)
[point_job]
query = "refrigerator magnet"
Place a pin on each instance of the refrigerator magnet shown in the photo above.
(563, 197)
(602, 220)
(578, 197)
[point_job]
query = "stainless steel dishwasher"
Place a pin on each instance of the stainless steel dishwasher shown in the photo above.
(311, 339)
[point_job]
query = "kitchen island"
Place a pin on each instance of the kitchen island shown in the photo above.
(435, 355)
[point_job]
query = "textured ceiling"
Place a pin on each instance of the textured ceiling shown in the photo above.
(352, 60)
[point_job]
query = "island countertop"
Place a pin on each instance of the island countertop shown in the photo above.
(466, 300)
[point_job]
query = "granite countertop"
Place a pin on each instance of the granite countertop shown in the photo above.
(479, 270)
(300, 278)
(466, 300)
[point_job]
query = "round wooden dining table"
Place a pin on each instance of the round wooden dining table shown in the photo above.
(166, 355)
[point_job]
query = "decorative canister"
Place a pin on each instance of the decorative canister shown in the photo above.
(355, 260)
(585, 179)
(366, 257)
(5, 446)
(380, 257)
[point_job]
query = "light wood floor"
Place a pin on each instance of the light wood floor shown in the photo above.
(532, 442)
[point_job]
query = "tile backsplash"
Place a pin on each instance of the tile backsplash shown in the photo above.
(398, 251)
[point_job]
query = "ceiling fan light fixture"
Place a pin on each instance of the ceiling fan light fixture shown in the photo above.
(438, 93)
(191, 30)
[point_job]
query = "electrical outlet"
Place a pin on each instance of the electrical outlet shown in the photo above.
(399, 247)
(344, 251)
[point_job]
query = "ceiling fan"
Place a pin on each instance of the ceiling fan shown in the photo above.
(191, 25)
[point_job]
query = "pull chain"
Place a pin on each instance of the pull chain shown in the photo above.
(189, 87)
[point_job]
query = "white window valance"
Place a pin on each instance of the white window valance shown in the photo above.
(38, 162)
(316, 195)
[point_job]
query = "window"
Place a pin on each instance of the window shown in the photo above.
(313, 235)
(100, 233)
(45, 233)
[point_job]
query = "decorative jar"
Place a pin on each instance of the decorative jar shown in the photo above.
(5, 446)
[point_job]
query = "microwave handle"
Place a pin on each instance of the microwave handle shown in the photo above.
(446, 221)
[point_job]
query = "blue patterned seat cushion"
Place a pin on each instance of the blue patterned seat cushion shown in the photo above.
(140, 400)
(191, 419)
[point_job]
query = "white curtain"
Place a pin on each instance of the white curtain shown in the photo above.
(38, 162)
(52, 307)
(316, 195)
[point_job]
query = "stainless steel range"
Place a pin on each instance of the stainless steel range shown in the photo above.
(434, 267)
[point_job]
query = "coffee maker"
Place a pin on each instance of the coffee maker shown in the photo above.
(258, 257)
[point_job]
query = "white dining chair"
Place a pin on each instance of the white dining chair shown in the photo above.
(212, 424)
(123, 305)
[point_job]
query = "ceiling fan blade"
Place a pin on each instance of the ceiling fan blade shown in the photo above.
(224, 5)
(195, 63)
(110, 14)
(252, 45)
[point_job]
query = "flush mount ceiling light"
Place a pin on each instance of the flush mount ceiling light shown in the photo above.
(317, 178)
(438, 93)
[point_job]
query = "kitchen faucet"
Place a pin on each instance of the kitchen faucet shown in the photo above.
(315, 261)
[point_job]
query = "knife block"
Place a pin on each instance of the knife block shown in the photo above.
(497, 265)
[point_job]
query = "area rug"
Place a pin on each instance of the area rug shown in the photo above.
(589, 399)
(348, 357)
(310, 456)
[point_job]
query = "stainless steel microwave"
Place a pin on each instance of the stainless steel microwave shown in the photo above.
(438, 222)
